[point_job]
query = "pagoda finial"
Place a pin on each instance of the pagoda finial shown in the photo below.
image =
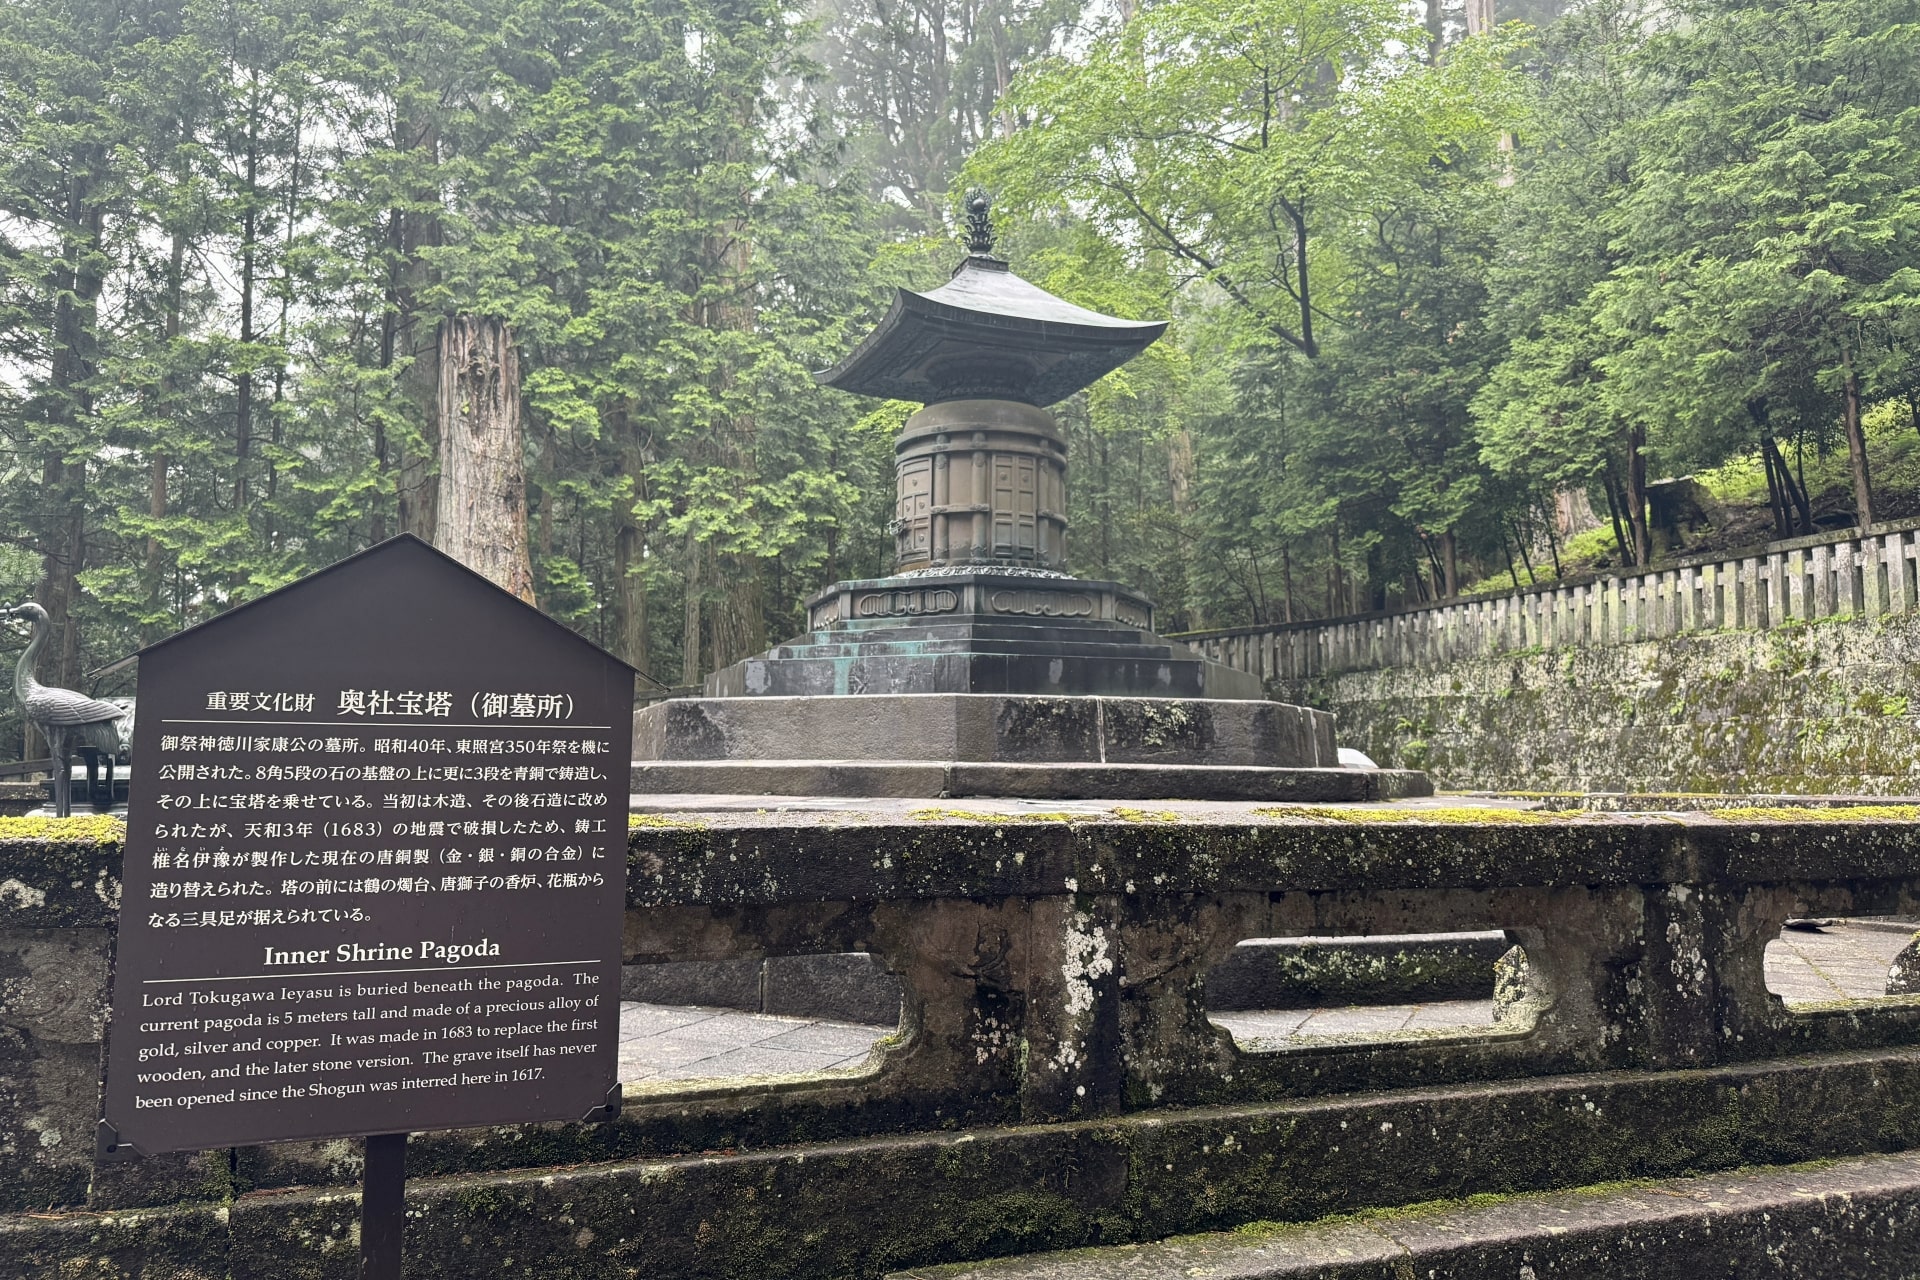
(979, 224)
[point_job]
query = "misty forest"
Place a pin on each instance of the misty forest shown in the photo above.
(1450, 286)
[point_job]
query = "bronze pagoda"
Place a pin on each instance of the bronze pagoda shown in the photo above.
(981, 665)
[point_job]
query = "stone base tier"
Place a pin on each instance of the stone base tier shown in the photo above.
(984, 728)
(933, 780)
(981, 631)
(924, 746)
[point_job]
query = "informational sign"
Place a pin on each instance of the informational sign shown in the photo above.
(375, 866)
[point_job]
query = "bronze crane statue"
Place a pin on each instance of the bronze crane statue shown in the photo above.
(68, 719)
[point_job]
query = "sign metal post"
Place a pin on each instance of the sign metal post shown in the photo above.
(383, 1206)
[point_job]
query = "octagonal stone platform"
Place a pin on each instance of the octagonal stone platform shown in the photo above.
(981, 630)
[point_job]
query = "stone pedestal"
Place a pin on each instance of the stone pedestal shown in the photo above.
(985, 630)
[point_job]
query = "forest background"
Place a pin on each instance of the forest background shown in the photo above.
(1439, 276)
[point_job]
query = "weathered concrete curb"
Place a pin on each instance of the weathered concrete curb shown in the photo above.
(1852, 1220)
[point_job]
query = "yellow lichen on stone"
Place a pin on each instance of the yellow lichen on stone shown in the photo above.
(1146, 815)
(91, 829)
(1463, 816)
(969, 815)
(1815, 813)
(635, 821)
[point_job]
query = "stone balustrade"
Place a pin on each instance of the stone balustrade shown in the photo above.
(1055, 1079)
(1797, 581)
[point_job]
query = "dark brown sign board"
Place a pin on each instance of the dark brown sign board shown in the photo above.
(375, 866)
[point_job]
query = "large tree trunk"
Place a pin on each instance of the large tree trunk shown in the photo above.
(481, 510)
(1573, 513)
(417, 340)
(739, 620)
(63, 539)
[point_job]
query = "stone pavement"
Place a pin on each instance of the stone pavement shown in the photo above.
(1844, 960)
(676, 1042)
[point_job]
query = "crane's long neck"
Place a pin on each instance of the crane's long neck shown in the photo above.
(23, 681)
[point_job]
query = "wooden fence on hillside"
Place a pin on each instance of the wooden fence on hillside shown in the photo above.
(1801, 580)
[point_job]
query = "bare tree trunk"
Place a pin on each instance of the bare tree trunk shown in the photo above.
(1614, 503)
(1449, 565)
(1637, 495)
(1856, 442)
(481, 511)
(632, 633)
(1799, 512)
(154, 570)
(243, 382)
(1776, 488)
(690, 636)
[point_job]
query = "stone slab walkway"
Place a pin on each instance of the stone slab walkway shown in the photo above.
(676, 1042)
(1845, 960)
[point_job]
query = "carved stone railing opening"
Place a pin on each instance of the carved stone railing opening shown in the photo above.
(1815, 963)
(1285, 993)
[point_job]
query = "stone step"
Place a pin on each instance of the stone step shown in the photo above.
(1856, 1219)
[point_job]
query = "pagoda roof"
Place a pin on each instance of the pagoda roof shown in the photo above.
(988, 334)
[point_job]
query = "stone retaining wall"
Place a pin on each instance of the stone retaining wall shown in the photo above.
(1830, 707)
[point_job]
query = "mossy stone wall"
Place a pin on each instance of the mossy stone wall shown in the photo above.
(1827, 707)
